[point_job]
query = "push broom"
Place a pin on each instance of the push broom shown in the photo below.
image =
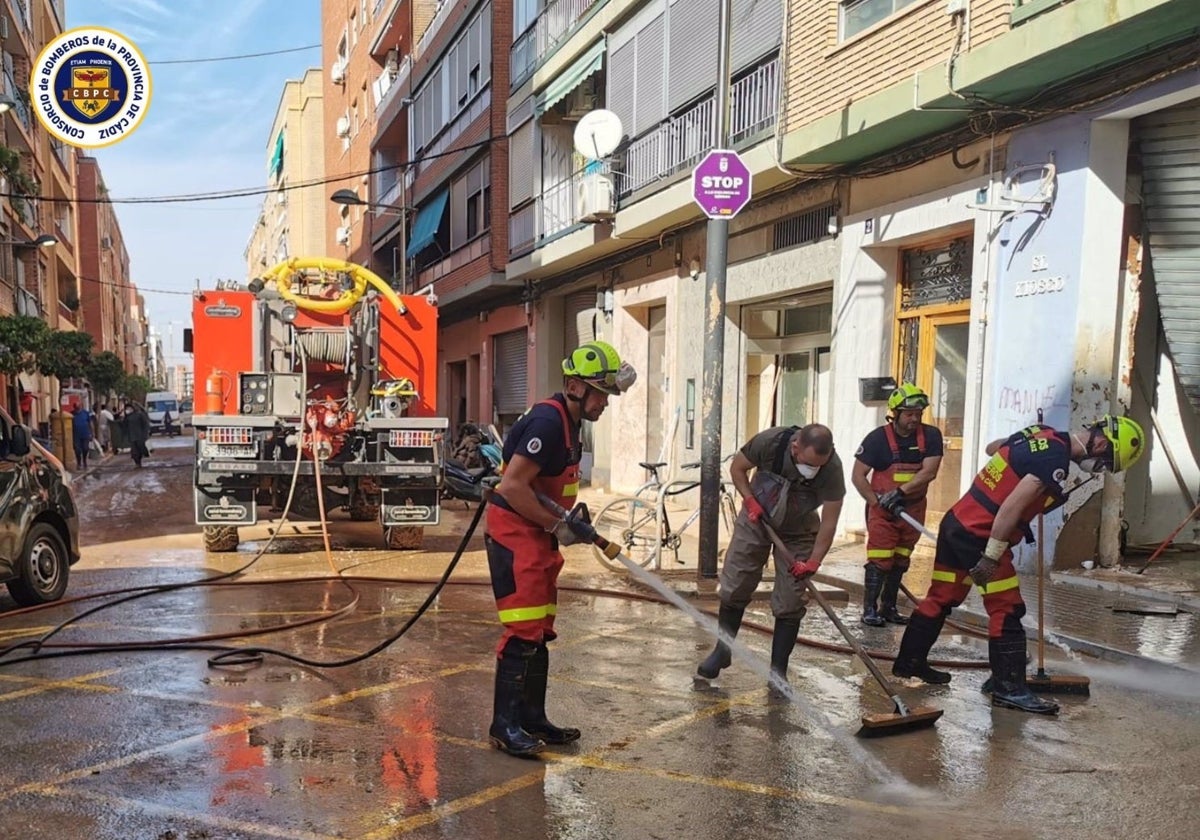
(906, 718)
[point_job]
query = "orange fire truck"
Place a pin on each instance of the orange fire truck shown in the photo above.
(320, 388)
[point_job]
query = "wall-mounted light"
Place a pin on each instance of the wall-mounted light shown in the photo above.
(694, 268)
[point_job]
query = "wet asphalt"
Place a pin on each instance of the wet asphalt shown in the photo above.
(159, 744)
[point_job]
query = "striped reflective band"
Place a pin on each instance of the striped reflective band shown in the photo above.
(571, 489)
(1002, 585)
(518, 614)
(901, 478)
(903, 552)
(945, 577)
(879, 552)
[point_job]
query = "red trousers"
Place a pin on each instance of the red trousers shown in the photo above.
(890, 540)
(524, 562)
(957, 552)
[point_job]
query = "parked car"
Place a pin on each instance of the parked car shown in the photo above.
(185, 413)
(39, 523)
(157, 404)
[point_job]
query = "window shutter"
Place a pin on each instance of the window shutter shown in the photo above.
(510, 372)
(757, 28)
(693, 50)
(650, 106)
(622, 80)
(520, 164)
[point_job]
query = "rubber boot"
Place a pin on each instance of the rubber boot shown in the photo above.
(511, 673)
(1009, 690)
(887, 598)
(729, 619)
(872, 584)
(783, 642)
(533, 718)
(913, 658)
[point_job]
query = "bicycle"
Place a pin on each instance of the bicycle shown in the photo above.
(643, 528)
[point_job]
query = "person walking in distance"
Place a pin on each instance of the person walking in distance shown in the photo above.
(137, 432)
(1025, 475)
(902, 457)
(81, 424)
(104, 420)
(796, 471)
(541, 456)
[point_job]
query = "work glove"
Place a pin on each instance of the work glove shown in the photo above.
(754, 511)
(803, 569)
(984, 570)
(892, 502)
(575, 527)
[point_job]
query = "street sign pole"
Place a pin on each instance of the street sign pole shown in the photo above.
(713, 383)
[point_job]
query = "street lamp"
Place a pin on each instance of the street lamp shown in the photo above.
(351, 198)
(46, 240)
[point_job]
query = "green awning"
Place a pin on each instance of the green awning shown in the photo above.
(276, 164)
(425, 228)
(587, 64)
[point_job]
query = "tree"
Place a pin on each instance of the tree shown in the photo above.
(135, 387)
(65, 355)
(106, 372)
(22, 340)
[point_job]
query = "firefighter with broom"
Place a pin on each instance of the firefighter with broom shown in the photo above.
(541, 457)
(795, 472)
(1024, 476)
(902, 457)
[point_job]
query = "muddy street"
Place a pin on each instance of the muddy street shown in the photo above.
(159, 744)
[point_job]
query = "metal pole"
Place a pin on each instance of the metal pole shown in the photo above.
(716, 259)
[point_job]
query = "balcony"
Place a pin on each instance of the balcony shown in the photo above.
(439, 17)
(679, 143)
(389, 83)
(559, 208)
(551, 28)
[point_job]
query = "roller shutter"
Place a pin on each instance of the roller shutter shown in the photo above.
(579, 319)
(520, 164)
(509, 389)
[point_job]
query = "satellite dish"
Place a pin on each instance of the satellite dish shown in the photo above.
(598, 134)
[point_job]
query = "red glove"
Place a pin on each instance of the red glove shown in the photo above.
(754, 511)
(801, 569)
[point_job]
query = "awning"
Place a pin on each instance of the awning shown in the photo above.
(276, 156)
(425, 228)
(565, 82)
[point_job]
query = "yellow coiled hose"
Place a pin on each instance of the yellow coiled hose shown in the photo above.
(363, 278)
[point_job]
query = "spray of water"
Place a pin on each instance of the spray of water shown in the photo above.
(892, 783)
(1177, 683)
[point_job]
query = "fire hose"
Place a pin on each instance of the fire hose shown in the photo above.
(361, 278)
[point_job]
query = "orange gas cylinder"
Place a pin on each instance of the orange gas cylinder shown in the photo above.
(214, 399)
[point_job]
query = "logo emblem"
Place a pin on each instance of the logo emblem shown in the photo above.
(90, 87)
(534, 446)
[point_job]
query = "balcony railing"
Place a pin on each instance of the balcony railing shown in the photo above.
(555, 22)
(389, 83)
(681, 141)
(439, 17)
(556, 210)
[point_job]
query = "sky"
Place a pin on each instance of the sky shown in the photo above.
(207, 130)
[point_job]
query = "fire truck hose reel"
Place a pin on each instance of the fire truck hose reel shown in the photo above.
(362, 278)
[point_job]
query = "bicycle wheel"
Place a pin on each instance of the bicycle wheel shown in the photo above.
(633, 525)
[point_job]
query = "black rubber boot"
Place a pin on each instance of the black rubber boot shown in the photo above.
(887, 598)
(913, 658)
(533, 717)
(783, 642)
(511, 673)
(1009, 690)
(872, 584)
(729, 619)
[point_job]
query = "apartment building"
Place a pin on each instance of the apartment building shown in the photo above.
(970, 196)
(104, 273)
(294, 216)
(38, 258)
(348, 91)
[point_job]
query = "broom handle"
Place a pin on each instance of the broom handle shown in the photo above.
(837, 622)
(1041, 596)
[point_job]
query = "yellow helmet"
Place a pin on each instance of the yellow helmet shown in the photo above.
(907, 397)
(598, 364)
(1126, 440)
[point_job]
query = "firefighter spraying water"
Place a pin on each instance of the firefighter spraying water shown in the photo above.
(320, 356)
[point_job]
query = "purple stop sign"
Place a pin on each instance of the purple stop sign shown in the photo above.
(721, 184)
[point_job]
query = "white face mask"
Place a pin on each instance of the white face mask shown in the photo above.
(1090, 465)
(807, 471)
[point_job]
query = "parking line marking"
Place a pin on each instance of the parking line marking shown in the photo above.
(456, 806)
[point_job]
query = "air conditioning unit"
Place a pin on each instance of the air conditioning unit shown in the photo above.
(343, 126)
(594, 198)
(583, 99)
(337, 73)
(393, 61)
(342, 236)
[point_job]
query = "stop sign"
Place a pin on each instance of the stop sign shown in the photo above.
(721, 184)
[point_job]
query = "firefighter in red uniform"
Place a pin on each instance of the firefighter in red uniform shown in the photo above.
(1024, 475)
(541, 455)
(902, 457)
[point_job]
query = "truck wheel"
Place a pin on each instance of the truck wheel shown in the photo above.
(43, 568)
(220, 538)
(399, 537)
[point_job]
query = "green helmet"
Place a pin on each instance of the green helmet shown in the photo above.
(599, 365)
(1126, 440)
(907, 397)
